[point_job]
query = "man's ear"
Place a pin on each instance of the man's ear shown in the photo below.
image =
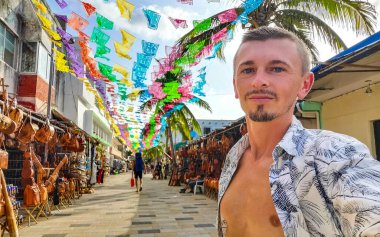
(235, 90)
(307, 84)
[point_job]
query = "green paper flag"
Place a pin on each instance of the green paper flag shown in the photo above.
(171, 89)
(195, 48)
(184, 60)
(103, 22)
(106, 71)
(202, 26)
(101, 50)
(99, 37)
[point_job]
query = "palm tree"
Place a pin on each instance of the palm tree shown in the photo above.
(154, 152)
(307, 19)
(181, 120)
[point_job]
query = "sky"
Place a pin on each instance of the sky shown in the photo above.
(219, 89)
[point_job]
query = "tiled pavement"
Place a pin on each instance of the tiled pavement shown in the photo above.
(116, 210)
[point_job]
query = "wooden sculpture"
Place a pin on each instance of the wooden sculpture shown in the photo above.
(40, 174)
(50, 182)
(9, 213)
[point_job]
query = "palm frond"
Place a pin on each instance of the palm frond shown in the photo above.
(203, 104)
(357, 16)
(306, 22)
(303, 35)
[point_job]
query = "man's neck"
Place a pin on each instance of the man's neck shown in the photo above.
(264, 136)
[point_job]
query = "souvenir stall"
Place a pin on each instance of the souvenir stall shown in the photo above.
(206, 157)
(43, 164)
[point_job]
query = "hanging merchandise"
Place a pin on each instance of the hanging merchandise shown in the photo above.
(126, 8)
(153, 18)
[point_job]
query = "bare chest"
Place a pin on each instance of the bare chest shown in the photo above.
(247, 206)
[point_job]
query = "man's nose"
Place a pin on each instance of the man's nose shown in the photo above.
(260, 79)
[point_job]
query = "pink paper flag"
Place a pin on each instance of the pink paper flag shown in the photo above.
(178, 23)
(227, 16)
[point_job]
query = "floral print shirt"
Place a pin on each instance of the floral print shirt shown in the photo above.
(322, 184)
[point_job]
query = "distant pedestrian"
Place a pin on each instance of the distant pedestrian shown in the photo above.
(138, 169)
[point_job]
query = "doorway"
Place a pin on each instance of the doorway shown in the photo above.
(376, 130)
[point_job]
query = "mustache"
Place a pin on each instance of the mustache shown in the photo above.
(261, 92)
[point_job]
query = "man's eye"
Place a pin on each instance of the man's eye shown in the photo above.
(278, 69)
(247, 70)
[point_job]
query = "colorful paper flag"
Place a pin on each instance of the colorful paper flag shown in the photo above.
(90, 9)
(127, 38)
(62, 3)
(101, 50)
(99, 37)
(121, 51)
(120, 69)
(103, 22)
(153, 18)
(40, 6)
(77, 22)
(178, 23)
(126, 8)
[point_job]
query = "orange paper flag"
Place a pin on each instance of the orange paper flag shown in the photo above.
(77, 22)
(90, 9)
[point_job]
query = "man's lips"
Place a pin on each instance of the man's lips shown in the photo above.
(260, 98)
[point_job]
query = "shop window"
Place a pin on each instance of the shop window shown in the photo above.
(376, 130)
(7, 46)
(43, 62)
(29, 56)
(206, 130)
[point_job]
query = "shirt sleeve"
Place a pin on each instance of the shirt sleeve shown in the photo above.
(355, 190)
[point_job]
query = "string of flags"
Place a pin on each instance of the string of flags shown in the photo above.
(137, 107)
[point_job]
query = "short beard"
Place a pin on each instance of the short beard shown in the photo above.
(261, 116)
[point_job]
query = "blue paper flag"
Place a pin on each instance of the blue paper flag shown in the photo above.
(144, 59)
(150, 49)
(153, 18)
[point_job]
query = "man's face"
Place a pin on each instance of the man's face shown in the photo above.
(268, 78)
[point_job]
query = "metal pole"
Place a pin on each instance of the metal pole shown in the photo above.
(48, 109)
(51, 79)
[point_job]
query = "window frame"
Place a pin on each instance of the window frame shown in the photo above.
(48, 68)
(8, 30)
(36, 59)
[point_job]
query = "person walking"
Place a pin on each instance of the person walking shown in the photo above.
(138, 169)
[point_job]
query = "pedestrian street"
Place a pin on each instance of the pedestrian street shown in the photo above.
(115, 209)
